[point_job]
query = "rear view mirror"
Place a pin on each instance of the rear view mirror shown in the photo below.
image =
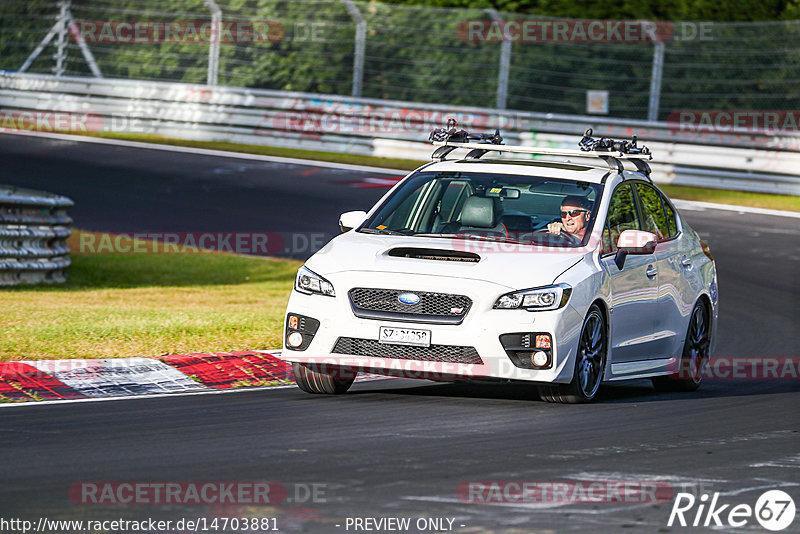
(351, 219)
(634, 242)
(503, 192)
(510, 192)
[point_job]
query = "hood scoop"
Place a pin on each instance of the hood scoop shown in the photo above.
(434, 254)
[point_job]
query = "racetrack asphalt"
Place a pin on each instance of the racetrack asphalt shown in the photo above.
(401, 448)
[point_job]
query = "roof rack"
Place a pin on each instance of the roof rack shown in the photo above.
(609, 150)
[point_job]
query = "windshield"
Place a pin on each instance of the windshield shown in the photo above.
(505, 207)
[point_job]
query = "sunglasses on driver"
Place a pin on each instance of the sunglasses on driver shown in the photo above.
(573, 213)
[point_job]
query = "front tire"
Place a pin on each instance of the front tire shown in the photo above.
(590, 362)
(696, 351)
(329, 381)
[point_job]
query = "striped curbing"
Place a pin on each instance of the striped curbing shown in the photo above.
(97, 378)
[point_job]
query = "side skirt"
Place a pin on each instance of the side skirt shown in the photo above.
(643, 369)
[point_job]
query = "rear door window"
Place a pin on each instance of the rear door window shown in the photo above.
(622, 215)
(670, 214)
(655, 219)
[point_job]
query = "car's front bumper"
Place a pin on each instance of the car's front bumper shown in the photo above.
(481, 329)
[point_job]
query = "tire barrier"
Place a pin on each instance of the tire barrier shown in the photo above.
(34, 227)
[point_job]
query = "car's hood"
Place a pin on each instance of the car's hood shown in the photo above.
(510, 265)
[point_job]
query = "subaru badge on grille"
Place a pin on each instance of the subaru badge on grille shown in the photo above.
(408, 298)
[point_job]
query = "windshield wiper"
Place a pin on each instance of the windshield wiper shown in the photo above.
(385, 231)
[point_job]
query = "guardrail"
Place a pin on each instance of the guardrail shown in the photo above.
(34, 227)
(751, 161)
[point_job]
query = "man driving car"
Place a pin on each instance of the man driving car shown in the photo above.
(575, 215)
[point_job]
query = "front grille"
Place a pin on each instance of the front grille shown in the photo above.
(440, 308)
(434, 353)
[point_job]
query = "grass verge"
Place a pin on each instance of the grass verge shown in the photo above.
(124, 305)
(736, 198)
(720, 196)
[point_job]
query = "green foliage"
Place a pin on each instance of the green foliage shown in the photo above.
(674, 10)
(171, 270)
(417, 51)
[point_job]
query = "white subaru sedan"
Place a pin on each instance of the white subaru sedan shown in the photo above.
(561, 274)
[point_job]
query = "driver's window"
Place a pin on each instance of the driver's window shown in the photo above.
(621, 216)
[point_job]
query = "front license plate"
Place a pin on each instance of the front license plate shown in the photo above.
(404, 336)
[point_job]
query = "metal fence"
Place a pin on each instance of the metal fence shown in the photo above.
(466, 57)
(754, 162)
(34, 227)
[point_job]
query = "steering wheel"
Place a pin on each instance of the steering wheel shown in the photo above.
(565, 237)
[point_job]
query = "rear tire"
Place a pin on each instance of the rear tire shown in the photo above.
(590, 362)
(329, 381)
(696, 350)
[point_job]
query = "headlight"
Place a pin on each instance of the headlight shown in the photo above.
(537, 299)
(309, 282)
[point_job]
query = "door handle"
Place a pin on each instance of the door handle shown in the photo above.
(686, 262)
(651, 272)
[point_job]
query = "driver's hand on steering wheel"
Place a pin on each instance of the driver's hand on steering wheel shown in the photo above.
(555, 227)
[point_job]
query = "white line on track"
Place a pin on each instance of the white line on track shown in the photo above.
(681, 204)
(543, 507)
(652, 447)
(640, 477)
(770, 486)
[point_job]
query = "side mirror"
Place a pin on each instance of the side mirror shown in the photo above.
(351, 219)
(634, 242)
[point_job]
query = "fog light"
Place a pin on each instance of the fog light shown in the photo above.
(539, 359)
(294, 340)
(293, 322)
(543, 341)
